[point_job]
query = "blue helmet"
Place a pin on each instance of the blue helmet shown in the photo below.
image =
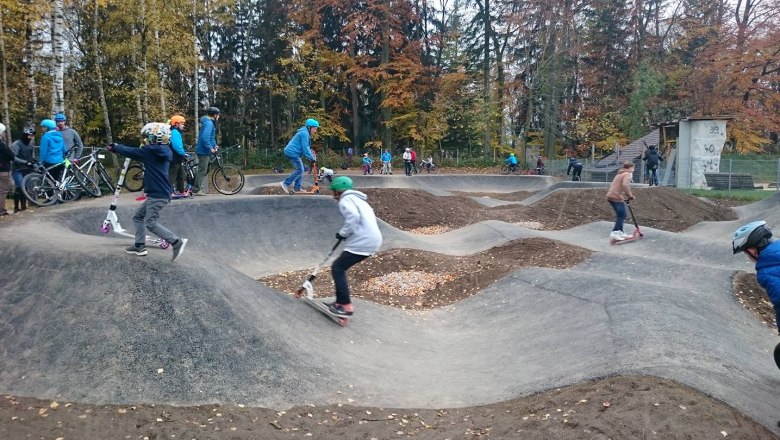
(48, 124)
(60, 117)
(312, 123)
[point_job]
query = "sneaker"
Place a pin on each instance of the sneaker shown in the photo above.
(201, 193)
(338, 310)
(625, 236)
(137, 250)
(178, 248)
(617, 235)
(285, 188)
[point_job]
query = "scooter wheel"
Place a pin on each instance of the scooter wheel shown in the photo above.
(164, 244)
(104, 229)
(777, 355)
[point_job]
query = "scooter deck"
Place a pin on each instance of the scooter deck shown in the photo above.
(633, 237)
(322, 308)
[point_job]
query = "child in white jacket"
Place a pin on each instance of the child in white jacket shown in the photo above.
(361, 236)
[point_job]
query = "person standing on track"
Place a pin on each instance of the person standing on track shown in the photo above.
(755, 240)
(407, 157)
(620, 191)
(52, 150)
(361, 236)
(156, 156)
(23, 163)
(298, 148)
(387, 162)
(176, 172)
(70, 137)
(413, 157)
(207, 145)
(576, 166)
(6, 159)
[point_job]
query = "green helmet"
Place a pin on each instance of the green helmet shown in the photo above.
(341, 183)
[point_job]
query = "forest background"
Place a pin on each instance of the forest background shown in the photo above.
(472, 76)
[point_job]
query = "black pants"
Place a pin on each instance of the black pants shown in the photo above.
(408, 167)
(339, 272)
(176, 175)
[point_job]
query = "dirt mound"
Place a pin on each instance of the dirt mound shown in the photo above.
(663, 208)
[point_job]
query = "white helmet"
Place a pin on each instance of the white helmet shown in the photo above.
(156, 133)
(755, 234)
(2, 128)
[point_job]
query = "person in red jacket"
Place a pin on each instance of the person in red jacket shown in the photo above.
(414, 159)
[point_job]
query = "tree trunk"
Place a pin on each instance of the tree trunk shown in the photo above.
(27, 61)
(386, 112)
(160, 73)
(4, 69)
(486, 82)
(195, 67)
(355, 98)
(99, 78)
(57, 41)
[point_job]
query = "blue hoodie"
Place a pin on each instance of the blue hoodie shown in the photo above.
(156, 159)
(52, 147)
(300, 145)
(207, 138)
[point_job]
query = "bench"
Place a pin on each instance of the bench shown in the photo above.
(738, 181)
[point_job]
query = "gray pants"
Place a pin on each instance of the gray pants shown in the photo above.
(146, 217)
(5, 186)
(201, 180)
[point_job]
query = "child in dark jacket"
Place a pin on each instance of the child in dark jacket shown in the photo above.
(755, 240)
(156, 156)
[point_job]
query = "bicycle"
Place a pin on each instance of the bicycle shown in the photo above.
(510, 169)
(134, 177)
(227, 179)
(93, 168)
(42, 189)
(430, 167)
(387, 168)
(368, 169)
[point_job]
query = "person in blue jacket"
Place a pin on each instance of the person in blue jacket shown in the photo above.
(206, 146)
(387, 162)
(755, 240)
(156, 156)
(176, 172)
(299, 147)
(576, 166)
(512, 162)
(52, 150)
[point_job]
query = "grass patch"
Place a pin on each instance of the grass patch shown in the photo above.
(742, 195)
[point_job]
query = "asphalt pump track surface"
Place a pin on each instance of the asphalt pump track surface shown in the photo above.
(81, 320)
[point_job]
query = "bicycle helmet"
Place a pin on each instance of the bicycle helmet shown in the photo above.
(212, 111)
(48, 124)
(312, 123)
(177, 119)
(156, 133)
(341, 183)
(511, 154)
(29, 131)
(755, 234)
(60, 117)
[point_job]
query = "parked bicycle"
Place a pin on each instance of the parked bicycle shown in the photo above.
(91, 166)
(44, 189)
(134, 177)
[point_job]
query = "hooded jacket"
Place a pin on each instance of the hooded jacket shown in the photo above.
(652, 158)
(52, 147)
(620, 188)
(768, 271)
(300, 145)
(360, 226)
(207, 137)
(24, 153)
(157, 160)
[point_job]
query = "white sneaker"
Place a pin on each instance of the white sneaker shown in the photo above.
(617, 235)
(625, 236)
(285, 188)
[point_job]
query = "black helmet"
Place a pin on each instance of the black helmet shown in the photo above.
(212, 110)
(29, 131)
(651, 147)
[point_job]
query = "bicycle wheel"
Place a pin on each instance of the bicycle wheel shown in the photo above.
(505, 170)
(39, 190)
(72, 191)
(87, 184)
(105, 178)
(228, 179)
(134, 178)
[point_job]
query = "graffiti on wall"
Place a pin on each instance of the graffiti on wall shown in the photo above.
(707, 141)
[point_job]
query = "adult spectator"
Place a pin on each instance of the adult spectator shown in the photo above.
(299, 147)
(407, 157)
(6, 158)
(207, 145)
(52, 151)
(413, 155)
(176, 171)
(387, 162)
(70, 137)
(23, 160)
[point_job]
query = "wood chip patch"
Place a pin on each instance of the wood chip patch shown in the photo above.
(407, 282)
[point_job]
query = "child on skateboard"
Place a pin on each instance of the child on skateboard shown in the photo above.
(361, 236)
(156, 156)
(619, 191)
(755, 240)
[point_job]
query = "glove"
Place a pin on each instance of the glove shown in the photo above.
(29, 164)
(340, 237)
(110, 147)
